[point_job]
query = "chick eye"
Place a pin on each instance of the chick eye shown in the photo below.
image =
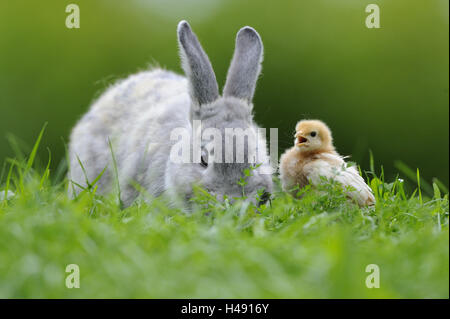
(313, 134)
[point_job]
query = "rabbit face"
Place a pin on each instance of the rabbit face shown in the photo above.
(234, 145)
(231, 142)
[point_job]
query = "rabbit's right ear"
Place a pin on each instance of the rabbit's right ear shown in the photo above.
(245, 65)
(195, 63)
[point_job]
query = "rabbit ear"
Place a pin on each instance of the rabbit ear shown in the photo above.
(245, 66)
(202, 80)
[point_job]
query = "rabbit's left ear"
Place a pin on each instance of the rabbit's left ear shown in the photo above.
(245, 66)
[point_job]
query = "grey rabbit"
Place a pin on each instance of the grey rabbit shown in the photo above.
(126, 134)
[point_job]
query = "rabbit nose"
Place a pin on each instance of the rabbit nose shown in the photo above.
(264, 198)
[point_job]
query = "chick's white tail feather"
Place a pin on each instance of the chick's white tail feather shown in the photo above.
(332, 166)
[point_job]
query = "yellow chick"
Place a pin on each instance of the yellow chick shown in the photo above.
(313, 156)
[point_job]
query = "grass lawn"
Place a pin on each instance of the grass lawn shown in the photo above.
(316, 247)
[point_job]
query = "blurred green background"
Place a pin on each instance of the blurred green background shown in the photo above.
(380, 89)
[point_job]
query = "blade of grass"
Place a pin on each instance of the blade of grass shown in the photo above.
(440, 185)
(14, 143)
(410, 174)
(116, 175)
(372, 162)
(86, 179)
(418, 185)
(35, 147)
(60, 172)
(46, 174)
(8, 179)
(99, 176)
(3, 172)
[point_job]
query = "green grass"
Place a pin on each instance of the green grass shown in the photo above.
(316, 247)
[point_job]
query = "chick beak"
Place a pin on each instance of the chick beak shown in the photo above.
(300, 140)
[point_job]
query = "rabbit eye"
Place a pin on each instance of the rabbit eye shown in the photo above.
(204, 159)
(313, 133)
(203, 162)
